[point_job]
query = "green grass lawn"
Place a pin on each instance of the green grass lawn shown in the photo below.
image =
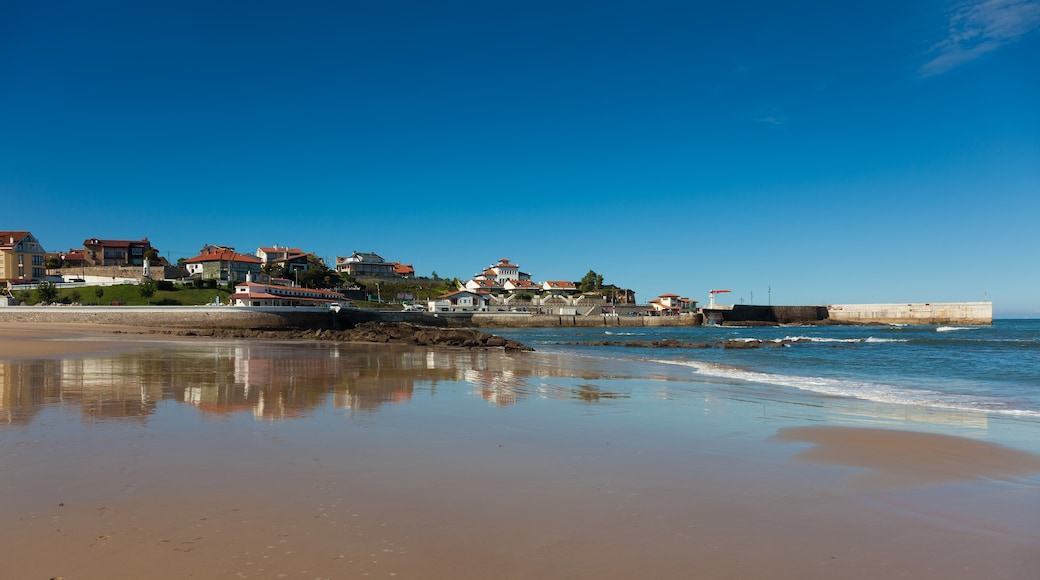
(130, 295)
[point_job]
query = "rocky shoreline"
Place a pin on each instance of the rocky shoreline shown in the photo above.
(365, 332)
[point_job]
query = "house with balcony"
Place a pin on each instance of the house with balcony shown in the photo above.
(22, 259)
(365, 265)
(98, 252)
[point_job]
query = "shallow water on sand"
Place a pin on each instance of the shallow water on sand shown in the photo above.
(256, 459)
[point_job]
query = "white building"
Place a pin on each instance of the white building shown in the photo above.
(252, 294)
(460, 301)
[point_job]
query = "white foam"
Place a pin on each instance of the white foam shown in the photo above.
(877, 392)
(822, 339)
(952, 328)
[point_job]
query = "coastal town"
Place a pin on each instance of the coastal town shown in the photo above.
(500, 294)
(283, 276)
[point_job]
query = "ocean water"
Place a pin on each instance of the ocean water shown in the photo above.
(990, 370)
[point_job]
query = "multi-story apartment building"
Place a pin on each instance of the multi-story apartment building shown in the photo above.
(22, 259)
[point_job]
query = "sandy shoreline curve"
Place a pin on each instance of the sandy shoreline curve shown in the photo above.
(908, 458)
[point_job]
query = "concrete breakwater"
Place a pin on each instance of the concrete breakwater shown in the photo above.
(970, 313)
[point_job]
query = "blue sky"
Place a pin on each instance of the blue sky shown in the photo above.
(798, 153)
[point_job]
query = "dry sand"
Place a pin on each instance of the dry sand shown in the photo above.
(457, 495)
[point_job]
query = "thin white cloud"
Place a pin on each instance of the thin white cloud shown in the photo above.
(771, 120)
(981, 26)
(769, 116)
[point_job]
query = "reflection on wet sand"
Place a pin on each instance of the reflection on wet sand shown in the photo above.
(281, 381)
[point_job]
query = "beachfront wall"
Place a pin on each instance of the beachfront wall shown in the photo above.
(973, 313)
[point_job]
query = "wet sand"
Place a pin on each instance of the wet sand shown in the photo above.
(460, 465)
(43, 340)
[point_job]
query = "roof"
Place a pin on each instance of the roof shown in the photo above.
(223, 256)
(115, 243)
(8, 239)
(281, 249)
(366, 257)
(560, 284)
(457, 292)
(403, 268)
(254, 286)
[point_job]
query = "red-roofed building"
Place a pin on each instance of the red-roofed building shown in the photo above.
(73, 259)
(253, 294)
(294, 259)
(519, 285)
(559, 287)
(98, 252)
(223, 264)
(403, 270)
(495, 277)
(672, 304)
(482, 285)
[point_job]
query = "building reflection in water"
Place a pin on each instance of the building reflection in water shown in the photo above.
(279, 380)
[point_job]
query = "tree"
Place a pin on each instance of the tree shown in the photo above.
(53, 263)
(591, 282)
(147, 289)
(46, 291)
(318, 275)
(99, 292)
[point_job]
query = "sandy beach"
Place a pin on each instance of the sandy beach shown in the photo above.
(213, 459)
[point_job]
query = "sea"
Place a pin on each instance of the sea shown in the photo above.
(972, 371)
(976, 381)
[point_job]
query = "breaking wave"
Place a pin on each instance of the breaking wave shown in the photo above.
(870, 391)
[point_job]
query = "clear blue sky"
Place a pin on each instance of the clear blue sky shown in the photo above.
(802, 153)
